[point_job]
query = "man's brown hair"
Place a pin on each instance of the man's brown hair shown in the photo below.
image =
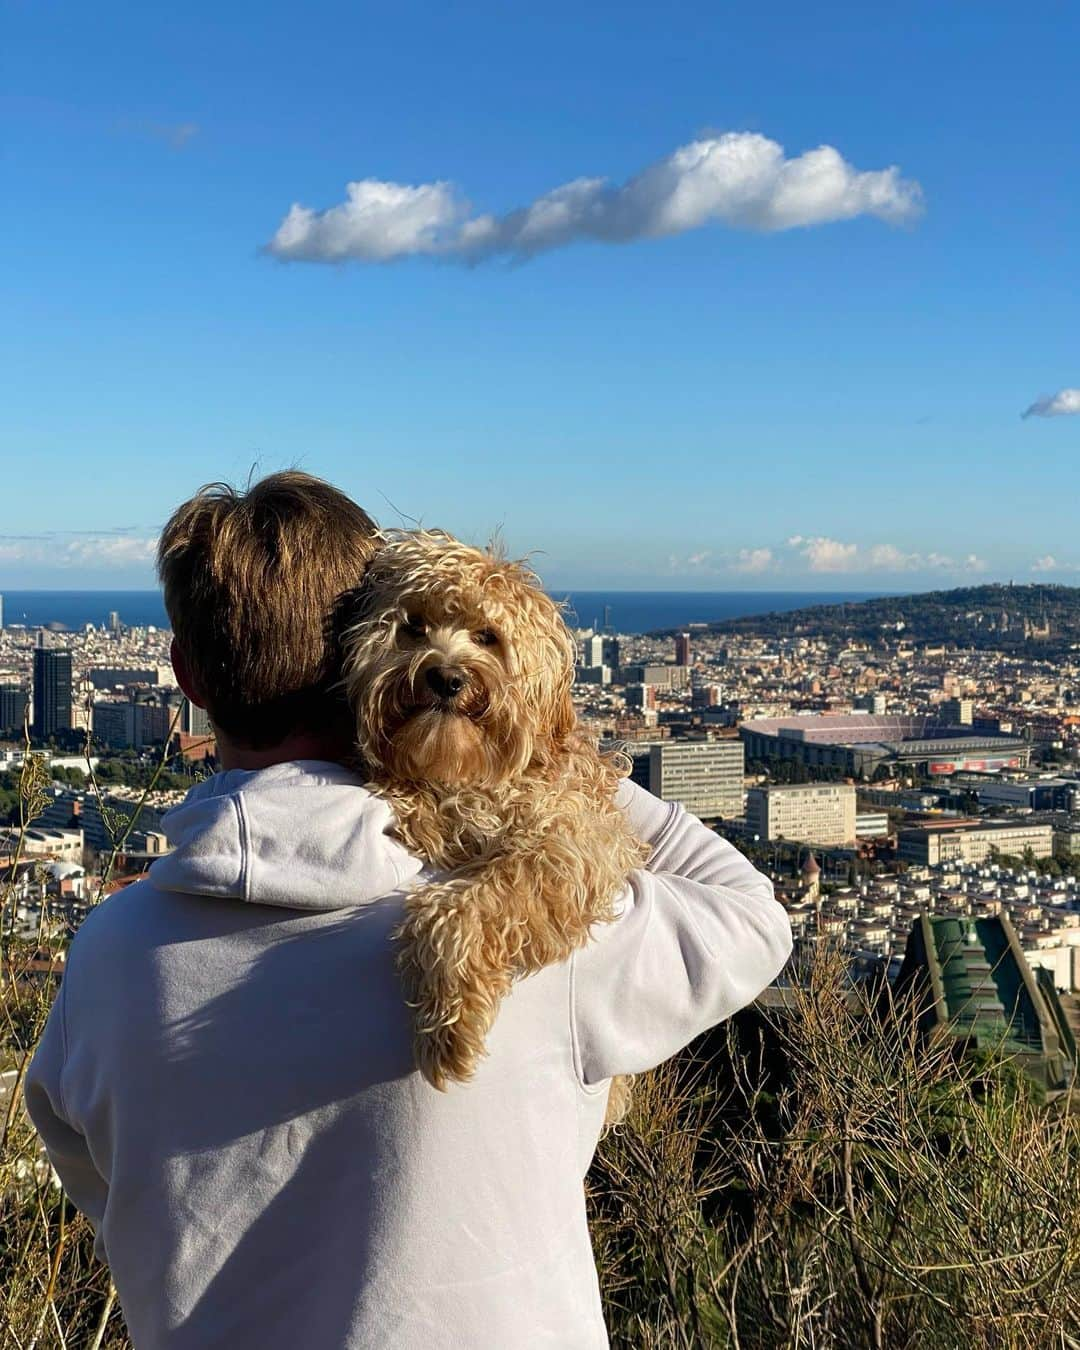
(251, 582)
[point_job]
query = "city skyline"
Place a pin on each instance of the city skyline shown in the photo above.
(673, 301)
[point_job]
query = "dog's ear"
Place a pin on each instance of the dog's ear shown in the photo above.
(563, 715)
(555, 674)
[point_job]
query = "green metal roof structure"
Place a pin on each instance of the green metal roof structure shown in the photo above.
(977, 986)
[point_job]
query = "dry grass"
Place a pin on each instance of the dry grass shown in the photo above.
(53, 1293)
(834, 1183)
(868, 1191)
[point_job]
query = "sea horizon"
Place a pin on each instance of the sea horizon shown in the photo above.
(628, 611)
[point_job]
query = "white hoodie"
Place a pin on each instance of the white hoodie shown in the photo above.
(225, 1085)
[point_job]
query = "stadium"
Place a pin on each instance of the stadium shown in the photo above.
(858, 743)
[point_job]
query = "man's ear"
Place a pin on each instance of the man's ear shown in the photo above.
(188, 685)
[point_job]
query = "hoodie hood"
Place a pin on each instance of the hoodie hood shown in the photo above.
(303, 835)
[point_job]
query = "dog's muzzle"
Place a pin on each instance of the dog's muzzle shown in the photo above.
(445, 682)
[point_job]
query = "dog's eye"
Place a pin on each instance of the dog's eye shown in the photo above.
(413, 627)
(486, 637)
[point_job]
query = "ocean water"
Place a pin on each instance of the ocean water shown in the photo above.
(642, 611)
(75, 609)
(629, 611)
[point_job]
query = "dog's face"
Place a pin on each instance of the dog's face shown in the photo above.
(458, 667)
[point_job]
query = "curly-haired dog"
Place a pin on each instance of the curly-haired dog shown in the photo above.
(459, 670)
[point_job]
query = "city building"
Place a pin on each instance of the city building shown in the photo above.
(1045, 794)
(593, 651)
(872, 825)
(646, 674)
(74, 810)
(108, 677)
(858, 743)
(195, 721)
(143, 719)
(38, 841)
(641, 696)
(682, 649)
(52, 692)
(706, 777)
(706, 696)
(13, 701)
(972, 841)
(814, 813)
(1067, 837)
(592, 675)
(959, 712)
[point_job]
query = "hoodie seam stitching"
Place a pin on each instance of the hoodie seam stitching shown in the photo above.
(63, 1048)
(663, 834)
(245, 845)
(577, 1067)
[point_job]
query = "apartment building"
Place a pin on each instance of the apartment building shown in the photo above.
(815, 813)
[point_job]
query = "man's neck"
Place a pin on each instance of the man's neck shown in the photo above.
(302, 745)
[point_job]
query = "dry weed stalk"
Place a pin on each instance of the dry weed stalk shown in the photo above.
(854, 1186)
(53, 1292)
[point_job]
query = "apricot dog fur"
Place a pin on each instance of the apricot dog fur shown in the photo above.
(459, 670)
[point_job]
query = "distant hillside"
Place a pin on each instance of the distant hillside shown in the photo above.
(1036, 619)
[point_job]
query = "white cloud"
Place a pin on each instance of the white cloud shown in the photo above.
(739, 179)
(830, 555)
(891, 559)
(111, 551)
(379, 221)
(1049, 563)
(99, 551)
(1062, 404)
(752, 560)
(826, 555)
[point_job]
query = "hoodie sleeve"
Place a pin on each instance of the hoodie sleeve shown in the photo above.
(699, 936)
(64, 1144)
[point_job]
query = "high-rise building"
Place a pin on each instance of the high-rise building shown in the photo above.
(195, 721)
(813, 813)
(114, 622)
(611, 652)
(640, 696)
(594, 651)
(52, 691)
(141, 720)
(1, 613)
(114, 723)
(13, 701)
(706, 777)
(682, 649)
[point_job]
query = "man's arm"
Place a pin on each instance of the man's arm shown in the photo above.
(699, 936)
(64, 1144)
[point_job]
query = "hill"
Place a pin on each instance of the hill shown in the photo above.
(1038, 620)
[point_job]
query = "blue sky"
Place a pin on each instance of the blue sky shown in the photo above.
(721, 403)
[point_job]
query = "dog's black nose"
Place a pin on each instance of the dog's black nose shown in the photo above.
(445, 681)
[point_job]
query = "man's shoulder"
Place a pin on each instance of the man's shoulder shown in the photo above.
(134, 916)
(107, 920)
